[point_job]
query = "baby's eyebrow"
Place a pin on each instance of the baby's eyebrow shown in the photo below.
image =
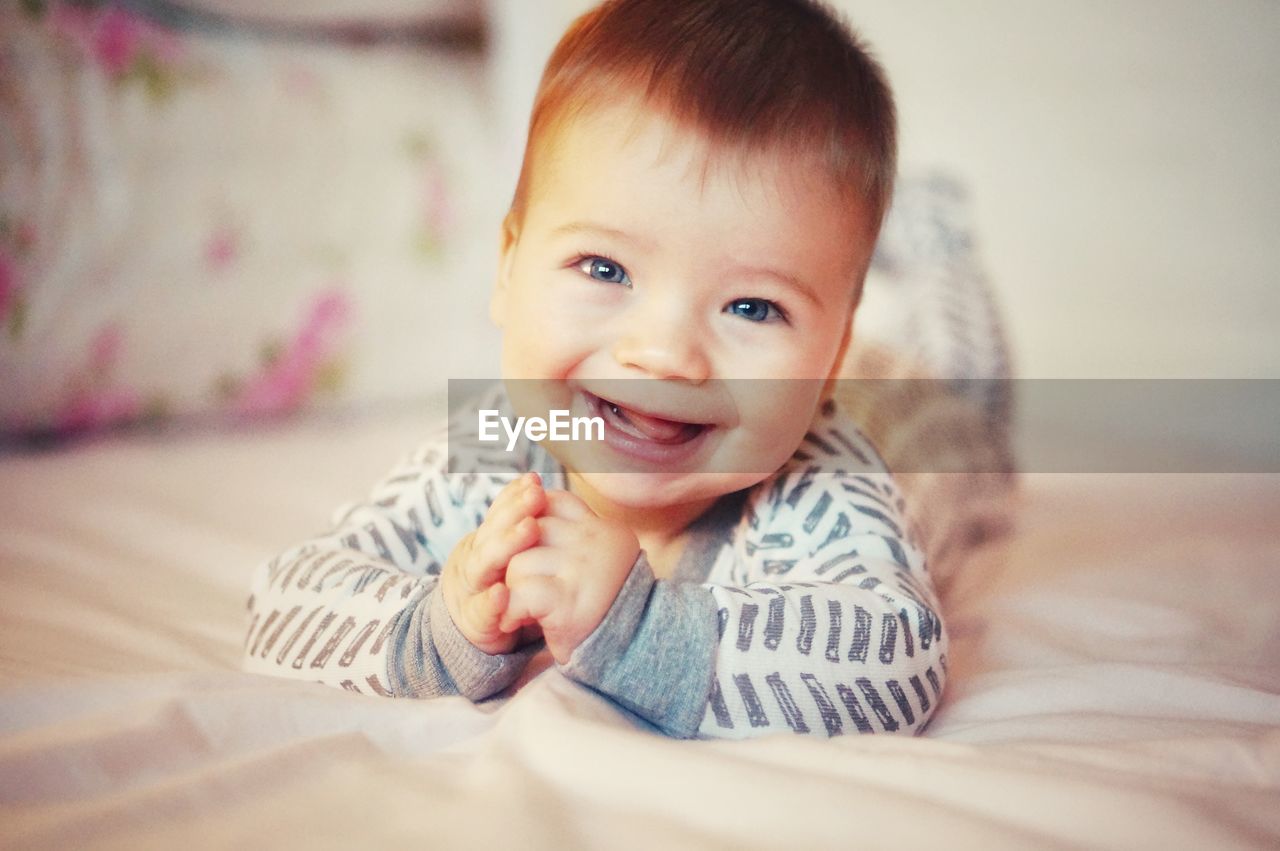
(787, 280)
(591, 228)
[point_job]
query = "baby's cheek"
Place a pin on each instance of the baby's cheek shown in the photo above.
(776, 433)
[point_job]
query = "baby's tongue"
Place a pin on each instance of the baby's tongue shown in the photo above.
(654, 428)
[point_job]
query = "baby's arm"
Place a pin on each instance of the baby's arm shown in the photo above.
(845, 637)
(822, 621)
(358, 607)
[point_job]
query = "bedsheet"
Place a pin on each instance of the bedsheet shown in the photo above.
(1114, 682)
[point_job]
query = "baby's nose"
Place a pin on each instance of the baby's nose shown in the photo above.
(664, 346)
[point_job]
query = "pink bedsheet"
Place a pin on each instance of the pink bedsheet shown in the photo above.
(1114, 683)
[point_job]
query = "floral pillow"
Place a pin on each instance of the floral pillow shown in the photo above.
(212, 223)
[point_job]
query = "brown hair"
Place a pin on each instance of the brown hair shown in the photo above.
(752, 75)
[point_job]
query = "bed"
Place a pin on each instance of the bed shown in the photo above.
(1113, 682)
(1113, 674)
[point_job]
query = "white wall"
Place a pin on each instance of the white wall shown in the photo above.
(1123, 158)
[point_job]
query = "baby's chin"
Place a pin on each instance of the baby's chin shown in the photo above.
(657, 491)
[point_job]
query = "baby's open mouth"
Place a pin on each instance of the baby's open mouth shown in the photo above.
(644, 426)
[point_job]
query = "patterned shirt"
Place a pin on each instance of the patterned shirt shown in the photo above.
(800, 604)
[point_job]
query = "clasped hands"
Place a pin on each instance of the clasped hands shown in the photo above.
(541, 563)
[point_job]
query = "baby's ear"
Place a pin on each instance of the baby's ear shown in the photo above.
(506, 257)
(837, 368)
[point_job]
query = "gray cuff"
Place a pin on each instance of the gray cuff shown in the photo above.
(654, 653)
(476, 674)
(432, 658)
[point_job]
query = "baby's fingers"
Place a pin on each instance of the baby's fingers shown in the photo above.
(566, 505)
(493, 548)
(522, 498)
(484, 610)
(532, 599)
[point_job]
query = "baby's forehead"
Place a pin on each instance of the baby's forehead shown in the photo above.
(651, 135)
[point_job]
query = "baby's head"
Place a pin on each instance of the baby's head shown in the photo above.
(754, 79)
(702, 188)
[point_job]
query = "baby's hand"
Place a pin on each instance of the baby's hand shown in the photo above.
(472, 582)
(567, 582)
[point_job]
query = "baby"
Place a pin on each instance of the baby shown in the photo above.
(702, 188)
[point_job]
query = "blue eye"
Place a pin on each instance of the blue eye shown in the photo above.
(755, 310)
(604, 269)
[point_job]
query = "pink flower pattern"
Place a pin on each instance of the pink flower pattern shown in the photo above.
(12, 301)
(8, 284)
(436, 207)
(222, 249)
(291, 376)
(96, 402)
(118, 41)
(435, 198)
(97, 410)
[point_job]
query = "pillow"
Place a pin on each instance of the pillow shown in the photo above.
(342, 12)
(927, 375)
(207, 224)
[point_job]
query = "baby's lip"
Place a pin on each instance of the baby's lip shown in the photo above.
(650, 413)
(660, 403)
(648, 425)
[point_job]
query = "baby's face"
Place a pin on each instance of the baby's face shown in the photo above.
(697, 303)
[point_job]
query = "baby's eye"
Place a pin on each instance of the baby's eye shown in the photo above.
(604, 269)
(755, 310)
